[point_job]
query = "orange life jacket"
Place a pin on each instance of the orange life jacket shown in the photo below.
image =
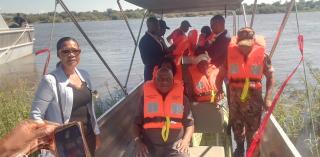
(239, 69)
(178, 36)
(156, 109)
(211, 38)
(193, 40)
(202, 40)
(186, 46)
(176, 77)
(203, 86)
(179, 51)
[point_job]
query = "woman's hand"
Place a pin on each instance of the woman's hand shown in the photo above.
(26, 137)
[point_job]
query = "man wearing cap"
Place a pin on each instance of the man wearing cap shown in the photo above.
(179, 34)
(218, 49)
(164, 123)
(151, 49)
(247, 62)
(204, 84)
(163, 28)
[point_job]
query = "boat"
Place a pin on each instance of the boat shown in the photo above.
(15, 43)
(116, 124)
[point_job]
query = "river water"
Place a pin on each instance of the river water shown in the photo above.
(113, 40)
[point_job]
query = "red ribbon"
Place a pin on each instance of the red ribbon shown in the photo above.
(47, 60)
(42, 51)
(256, 139)
(301, 43)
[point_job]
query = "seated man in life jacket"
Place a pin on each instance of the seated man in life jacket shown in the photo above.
(164, 122)
(206, 82)
(168, 62)
(247, 63)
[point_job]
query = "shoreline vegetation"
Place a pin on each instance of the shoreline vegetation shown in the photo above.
(110, 14)
(299, 119)
(16, 94)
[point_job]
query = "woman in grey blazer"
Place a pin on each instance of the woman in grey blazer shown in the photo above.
(64, 94)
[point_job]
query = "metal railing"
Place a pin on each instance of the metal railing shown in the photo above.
(9, 37)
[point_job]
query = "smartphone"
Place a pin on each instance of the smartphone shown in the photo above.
(70, 141)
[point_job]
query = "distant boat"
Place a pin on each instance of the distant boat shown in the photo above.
(15, 43)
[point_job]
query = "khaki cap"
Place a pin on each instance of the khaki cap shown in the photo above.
(245, 37)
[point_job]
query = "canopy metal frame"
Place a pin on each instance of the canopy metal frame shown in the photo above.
(136, 40)
(253, 12)
(244, 15)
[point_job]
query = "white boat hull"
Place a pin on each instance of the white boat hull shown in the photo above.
(15, 44)
(16, 52)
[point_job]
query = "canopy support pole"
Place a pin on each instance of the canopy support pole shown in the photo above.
(238, 21)
(91, 44)
(234, 17)
(127, 22)
(225, 11)
(283, 24)
(135, 48)
(53, 24)
(253, 12)
(161, 14)
(244, 15)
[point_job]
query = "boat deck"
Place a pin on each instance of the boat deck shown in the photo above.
(117, 138)
(207, 151)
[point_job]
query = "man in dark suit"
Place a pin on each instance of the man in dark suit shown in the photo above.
(151, 49)
(219, 48)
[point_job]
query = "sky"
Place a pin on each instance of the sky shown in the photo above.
(42, 6)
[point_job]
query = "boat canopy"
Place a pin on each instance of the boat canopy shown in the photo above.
(176, 6)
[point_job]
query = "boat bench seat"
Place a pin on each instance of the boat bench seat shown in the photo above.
(207, 151)
(207, 118)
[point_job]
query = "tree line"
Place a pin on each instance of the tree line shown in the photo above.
(110, 14)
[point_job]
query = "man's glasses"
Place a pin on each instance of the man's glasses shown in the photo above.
(66, 52)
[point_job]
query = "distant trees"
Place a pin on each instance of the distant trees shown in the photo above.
(277, 7)
(111, 14)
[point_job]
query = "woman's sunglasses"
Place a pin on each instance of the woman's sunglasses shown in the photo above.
(69, 51)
